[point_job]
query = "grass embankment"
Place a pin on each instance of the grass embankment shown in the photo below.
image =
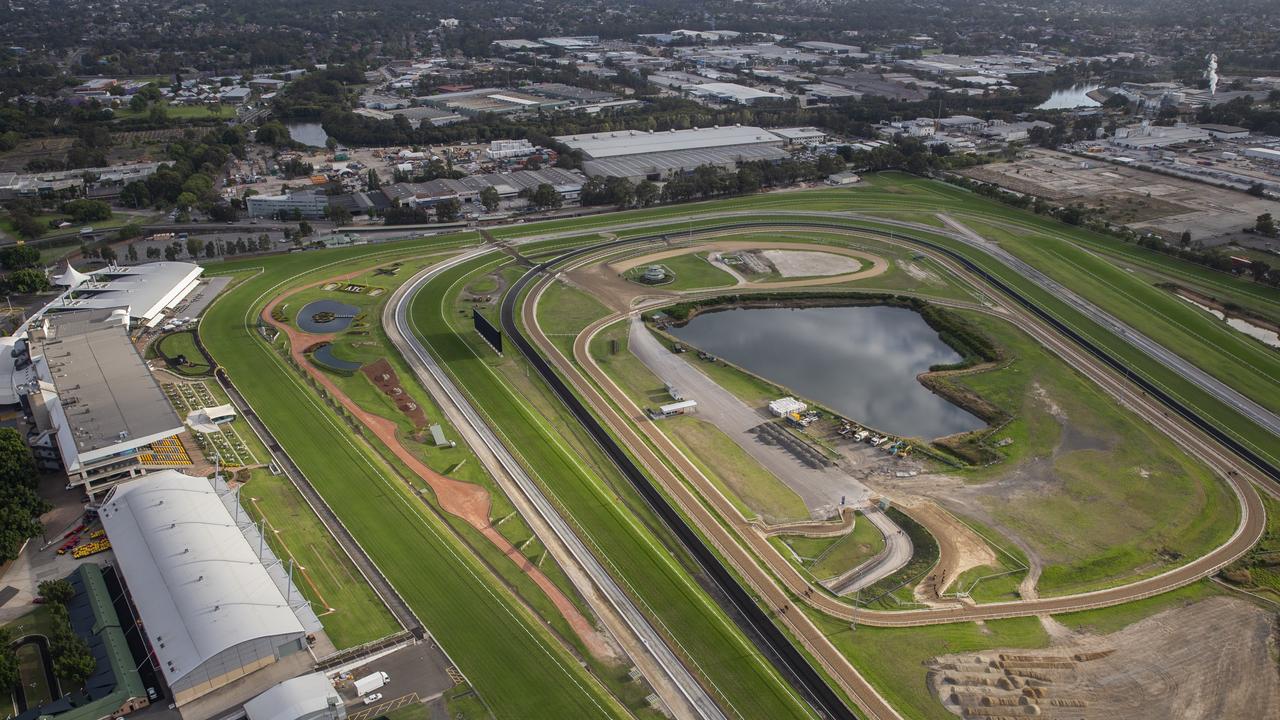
(515, 665)
(1259, 570)
(607, 512)
(351, 612)
(1212, 345)
(825, 558)
(365, 341)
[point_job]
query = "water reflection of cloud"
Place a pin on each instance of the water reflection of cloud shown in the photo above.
(861, 361)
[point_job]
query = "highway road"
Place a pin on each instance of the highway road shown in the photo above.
(694, 700)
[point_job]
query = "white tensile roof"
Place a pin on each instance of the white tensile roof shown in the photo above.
(292, 699)
(198, 585)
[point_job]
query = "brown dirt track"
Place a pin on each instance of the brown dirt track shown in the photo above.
(779, 572)
(464, 500)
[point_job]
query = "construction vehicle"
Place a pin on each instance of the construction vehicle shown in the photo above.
(862, 435)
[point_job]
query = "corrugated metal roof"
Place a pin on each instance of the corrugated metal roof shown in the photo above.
(199, 587)
(638, 142)
(293, 699)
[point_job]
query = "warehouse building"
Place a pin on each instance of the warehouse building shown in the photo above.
(638, 155)
(724, 92)
(498, 101)
(221, 615)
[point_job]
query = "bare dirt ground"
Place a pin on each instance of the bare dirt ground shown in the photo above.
(1137, 198)
(382, 375)
(959, 548)
(807, 263)
(1212, 659)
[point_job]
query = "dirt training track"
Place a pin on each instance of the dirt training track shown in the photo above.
(777, 581)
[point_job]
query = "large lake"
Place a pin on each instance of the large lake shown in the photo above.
(1076, 96)
(861, 362)
(307, 133)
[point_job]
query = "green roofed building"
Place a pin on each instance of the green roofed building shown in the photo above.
(114, 688)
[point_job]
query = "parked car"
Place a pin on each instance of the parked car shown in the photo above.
(372, 698)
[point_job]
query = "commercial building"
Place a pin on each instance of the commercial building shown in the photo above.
(309, 205)
(220, 613)
(1225, 132)
(800, 135)
(503, 149)
(1149, 137)
(98, 413)
(725, 92)
(308, 697)
(638, 155)
(1263, 153)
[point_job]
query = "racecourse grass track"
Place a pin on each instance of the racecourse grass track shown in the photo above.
(516, 667)
(702, 631)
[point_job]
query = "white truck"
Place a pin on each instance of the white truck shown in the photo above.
(369, 683)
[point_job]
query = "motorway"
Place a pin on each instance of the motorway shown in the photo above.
(651, 652)
(779, 582)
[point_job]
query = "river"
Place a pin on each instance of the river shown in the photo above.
(860, 361)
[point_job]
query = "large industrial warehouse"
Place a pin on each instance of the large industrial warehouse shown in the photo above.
(220, 612)
(638, 155)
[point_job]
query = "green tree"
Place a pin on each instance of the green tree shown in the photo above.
(545, 196)
(489, 198)
(185, 200)
(20, 506)
(194, 246)
(646, 193)
(73, 660)
(132, 253)
(26, 225)
(1265, 224)
(60, 591)
(340, 215)
(16, 257)
(26, 282)
(447, 210)
(373, 181)
(9, 675)
(305, 229)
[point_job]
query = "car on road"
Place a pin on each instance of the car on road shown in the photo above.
(373, 698)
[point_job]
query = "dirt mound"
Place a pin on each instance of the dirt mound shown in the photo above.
(383, 376)
(1213, 659)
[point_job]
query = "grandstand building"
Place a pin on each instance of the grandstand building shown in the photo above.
(97, 412)
(145, 291)
(639, 155)
(222, 618)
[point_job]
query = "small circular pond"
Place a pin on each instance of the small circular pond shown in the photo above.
(326, 316)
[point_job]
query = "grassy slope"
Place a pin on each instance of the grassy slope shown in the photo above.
(351, 612)
(606, 514)
(511, 662)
